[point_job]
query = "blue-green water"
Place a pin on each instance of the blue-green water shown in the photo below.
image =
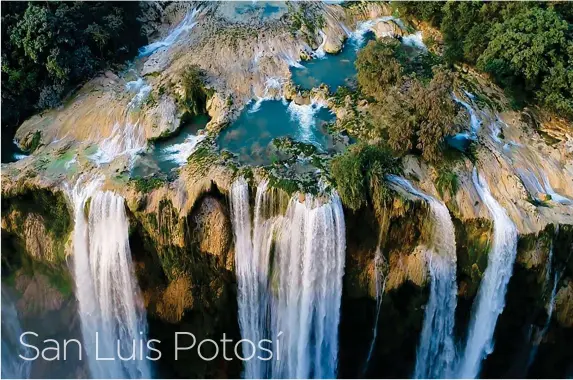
(170, 153)
(10, 151)
(268, 7)
(250, 136)
(334, 70)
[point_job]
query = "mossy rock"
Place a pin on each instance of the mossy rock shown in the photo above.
(473, 242)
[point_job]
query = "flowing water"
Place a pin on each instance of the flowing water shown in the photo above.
(13, 367)
(170, 153)
(184, 26)
(110, 306)
(11, 152)
(251, 135)
(461, 141)
(380, 283)
(552, 277)
(289, 274)
(436, 351)
(490, 300)
(334, 70)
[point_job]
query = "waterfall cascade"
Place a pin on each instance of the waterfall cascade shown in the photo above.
(184, 26)
(490, 299)
(289, 273)
(110, 308)
(436, 352)
(552, 277)
(380, 284)
(13, 367)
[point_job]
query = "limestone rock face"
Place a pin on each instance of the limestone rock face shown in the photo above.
(32, 230)
(387, 29)
(564, 305)
(38, 295)
(216, 107)
(212, 227)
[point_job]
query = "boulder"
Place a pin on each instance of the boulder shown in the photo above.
(212, 227)
(387, 29)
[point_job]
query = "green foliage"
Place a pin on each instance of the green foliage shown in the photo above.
(411, 106)
(533, 49)
(48, 48)
(147, 184)
(35, 142)
(194, 98)
(359, 175)
(419, 117)
(379, 67)
(447, 181)
(526, 47)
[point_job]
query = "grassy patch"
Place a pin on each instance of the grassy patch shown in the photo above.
(447, 181)
(147, 184)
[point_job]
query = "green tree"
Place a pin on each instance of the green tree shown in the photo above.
(359, 175)
(533, 49)
(378, 66)
(529, 44)
(49, 48)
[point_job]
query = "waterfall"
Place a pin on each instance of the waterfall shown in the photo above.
(380, 283)
(319, 52)
(490, 299)
(475, 122)
(184, 26)
(552, 277)
(289, 274)
(436, 352)
(13, 367)
(305, 115)
(110, 306)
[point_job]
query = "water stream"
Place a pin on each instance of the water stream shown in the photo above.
(436, 351)
(490, 300)
(188, 22)
(380, 284)
(289, 274)
(111, 311)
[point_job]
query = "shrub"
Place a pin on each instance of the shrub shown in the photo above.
(378, 66)
(359, 175)
(421, 116)
(447, 180)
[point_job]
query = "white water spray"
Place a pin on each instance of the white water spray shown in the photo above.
(305, 114)
(475, 122)
(319, 52)
(364, 27)
(13, 367)
(179, 153)
(125, 139)
(490, 299)
(436, 352)
(184, 26)
(110, 305)
(414, 40)
(294, 291)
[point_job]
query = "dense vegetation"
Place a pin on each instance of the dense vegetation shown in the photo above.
(49, 48)
(411, 105)
(526, 47)
(359, 176)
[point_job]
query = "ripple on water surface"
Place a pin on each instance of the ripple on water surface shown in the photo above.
(334, 70)
(170, 153)
(251, 135)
